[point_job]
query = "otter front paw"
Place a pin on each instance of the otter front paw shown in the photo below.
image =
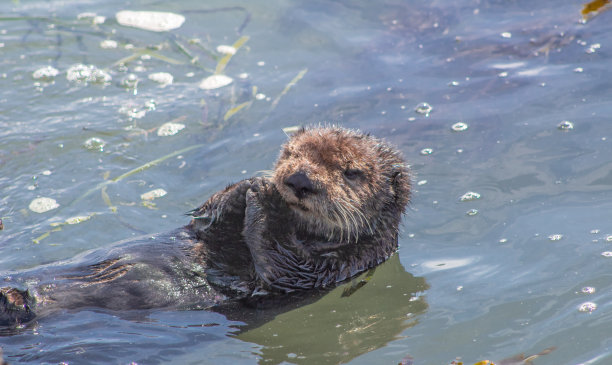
(15, 306)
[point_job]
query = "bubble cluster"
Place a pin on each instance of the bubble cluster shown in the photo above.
(45, 73)
(587, 307)
(87, 73)
(588, 290)
(41, 205)
(170, 129)
(555, 237)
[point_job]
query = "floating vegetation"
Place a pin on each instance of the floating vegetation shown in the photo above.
(57, 226)
(154, 21)
(45, 73)
(423, 108)
(469, 196)
(459, 127)
(136, 170)
(42, 205)
(215, 82)
(73, 220)
(290, 130)
(236, 109)
(170, 129)
(87, 74)
(566, 125)
(94, 144)
(228, 56)
(162, 78)
(595, 6)
(291, 83)
(153, 194)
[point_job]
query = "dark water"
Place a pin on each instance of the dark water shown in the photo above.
(486, 285)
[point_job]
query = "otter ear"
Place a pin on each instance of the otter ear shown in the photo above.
(400, 186)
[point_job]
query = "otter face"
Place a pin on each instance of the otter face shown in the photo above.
(339, 182)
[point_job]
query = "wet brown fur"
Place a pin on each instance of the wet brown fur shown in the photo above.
(342, 208)
(256, 238)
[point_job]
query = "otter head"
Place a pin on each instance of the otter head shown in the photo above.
(342, 184)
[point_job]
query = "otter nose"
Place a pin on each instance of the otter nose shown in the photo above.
(300, 184)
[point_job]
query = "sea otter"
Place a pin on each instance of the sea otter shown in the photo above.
(329, 210)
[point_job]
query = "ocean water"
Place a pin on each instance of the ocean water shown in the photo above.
(506, 248)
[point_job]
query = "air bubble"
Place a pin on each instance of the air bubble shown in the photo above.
(566, 125)
(459, 127)
(423, 108)
(94, 144)
(469, 196)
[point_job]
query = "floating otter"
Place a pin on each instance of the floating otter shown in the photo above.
(329, 210)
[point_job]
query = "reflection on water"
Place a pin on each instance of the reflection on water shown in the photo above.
(347, 322)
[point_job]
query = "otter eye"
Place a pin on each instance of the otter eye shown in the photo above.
(353, 174)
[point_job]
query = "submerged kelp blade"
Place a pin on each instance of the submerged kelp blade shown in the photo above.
(236, 109)
(225, 59)
(136, 170)
(154, 21)
(288, 86)
(593, 7)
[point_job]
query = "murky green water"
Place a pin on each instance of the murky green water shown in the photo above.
(485, 278)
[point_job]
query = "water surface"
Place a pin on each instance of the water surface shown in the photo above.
(486, 278)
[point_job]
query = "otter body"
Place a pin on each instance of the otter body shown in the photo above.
(329, 211)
